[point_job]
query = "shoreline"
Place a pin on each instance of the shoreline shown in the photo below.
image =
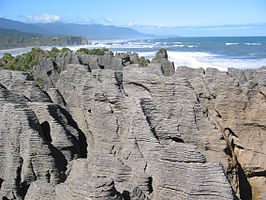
(180, 52)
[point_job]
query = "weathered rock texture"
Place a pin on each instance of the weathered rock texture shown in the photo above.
(36, 140)
(108, 129)
(236, 102)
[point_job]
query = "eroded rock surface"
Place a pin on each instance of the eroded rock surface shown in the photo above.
(109, 129)
(36, 141)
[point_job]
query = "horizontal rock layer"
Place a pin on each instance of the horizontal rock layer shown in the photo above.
(108, 129)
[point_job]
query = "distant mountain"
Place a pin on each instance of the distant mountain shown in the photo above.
(20, 26)
(15, 33)
(10, 38)
(90, 31)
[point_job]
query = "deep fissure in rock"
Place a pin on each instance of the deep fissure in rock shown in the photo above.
(101, 66)
(245, 189)
(230, 132)
(1, 181)
(81, 136)
(228, 152)
(49, 72)
(148, 119)
(150, 187)
(261, 174)
(176, 139)
(126, 195)
(22, 187)
(119, 80)
(46, 131)
(218, 114)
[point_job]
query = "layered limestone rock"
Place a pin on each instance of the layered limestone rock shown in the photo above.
(88, 188)
(167, 67)
(37, 141)
(133, 127)
(49, 68)
(236, 103)
(23, 84)
(40, 190)
(25, 156)
(107, 128)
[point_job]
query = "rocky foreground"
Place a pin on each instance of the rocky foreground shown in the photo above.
(118, 127)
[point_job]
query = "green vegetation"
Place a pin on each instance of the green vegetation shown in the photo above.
(134, 62)
(26, 61)
(53, 52)
(15, 39)
(143, 62)
(155, 59)
(93, 51)
(40, 82)
(162, 50)
(63, 50)
(23, 62)
(57, 68)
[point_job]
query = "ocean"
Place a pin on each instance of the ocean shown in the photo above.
(216, 52)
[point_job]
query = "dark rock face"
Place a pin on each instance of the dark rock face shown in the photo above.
(108, 129)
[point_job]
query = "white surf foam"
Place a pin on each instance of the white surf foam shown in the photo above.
(179, 45)
(15, 52)
(207, 60)
(191, 59)
(253, 44)
(231, 43)
(148, 55)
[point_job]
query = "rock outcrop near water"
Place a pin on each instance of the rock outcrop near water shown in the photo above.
(109, 127)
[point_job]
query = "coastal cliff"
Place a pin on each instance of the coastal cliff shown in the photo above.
(15, 39)
(98, 125)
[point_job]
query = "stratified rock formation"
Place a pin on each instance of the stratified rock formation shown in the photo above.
(105, 127)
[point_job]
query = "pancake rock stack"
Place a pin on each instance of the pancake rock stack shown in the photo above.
(106, 127)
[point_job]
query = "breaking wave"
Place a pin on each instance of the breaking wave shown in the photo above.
(208, 60)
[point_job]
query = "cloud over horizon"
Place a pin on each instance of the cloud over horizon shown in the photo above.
(257, 29)
(50, 18)
(109, 20)
(43, 18)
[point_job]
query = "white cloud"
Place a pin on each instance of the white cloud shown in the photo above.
(2, 15)
(130, 24)
(109, 20)
(43, 18)
(221, 28)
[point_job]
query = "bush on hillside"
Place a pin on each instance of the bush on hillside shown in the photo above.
(93, 51)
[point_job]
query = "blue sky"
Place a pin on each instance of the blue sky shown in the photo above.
(138, 14)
